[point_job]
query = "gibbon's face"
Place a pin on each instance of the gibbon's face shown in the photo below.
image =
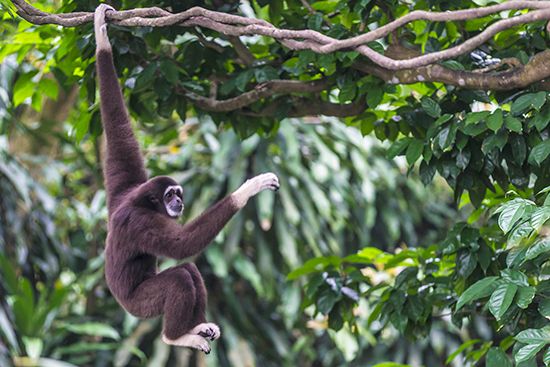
(173, 200)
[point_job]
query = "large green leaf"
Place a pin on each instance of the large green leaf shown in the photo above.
(93, 329)
(511, 213)
(525, 296)
(481, 288)
(431, 107)
(527, 352)
(534, 336)
(501, 299)
(497, 358)
(461, 349)
(540, 152)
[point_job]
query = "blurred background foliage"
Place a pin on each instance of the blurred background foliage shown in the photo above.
(413, 232)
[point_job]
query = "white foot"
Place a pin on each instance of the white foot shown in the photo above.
(207, 330)
(190, 341)
(265, 181)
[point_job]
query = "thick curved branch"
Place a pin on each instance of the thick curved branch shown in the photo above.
(263, 90)
(233, 25)
(536, 70)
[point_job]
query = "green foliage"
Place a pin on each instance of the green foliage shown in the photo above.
(349, 244)
(333, 179)
(503, 275)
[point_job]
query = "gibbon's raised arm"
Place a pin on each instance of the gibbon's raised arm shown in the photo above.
(178, 242)
(124, 167)
(163, 238)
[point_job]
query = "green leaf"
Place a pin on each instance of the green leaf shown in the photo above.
(431, 107)
(495, 141)
(443, 119)
(523, 103)
(170, 71)
(93, 329)
(501, 299)
(248, 271)
(525, 296)
(145, 77)
(460, 349)
(427, 172)
(534, 336)
(540, 247)
(481, 288)
(539, 153)
(347, 91)
(539, 99)
(398, 147)
(541, 119)
(326, 301)
(528, 352)
(453, 65)
(544, 307)
(414, 150)
(511, 212)
(515, 277)
(49, 88)
(314, 265)
(546, 357)
(242, 80)
(473, 118)
(513, 124)
(466, 263)
(495, 120)
(374, 96)
(315, 21)
(24, 88)
(497, 358)
(519, 148)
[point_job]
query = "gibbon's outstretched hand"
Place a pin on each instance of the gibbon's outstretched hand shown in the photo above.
(142, 222)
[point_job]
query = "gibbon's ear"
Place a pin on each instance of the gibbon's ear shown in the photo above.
(153, 199)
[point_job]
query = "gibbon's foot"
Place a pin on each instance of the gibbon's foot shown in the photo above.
(265, 181)
(100, 26)
(190, 341)
(207, 330)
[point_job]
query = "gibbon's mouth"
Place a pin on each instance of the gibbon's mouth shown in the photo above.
(175, 210)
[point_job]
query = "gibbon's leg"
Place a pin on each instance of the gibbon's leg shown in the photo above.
(200, 294)
(205, 329)
(173, 293)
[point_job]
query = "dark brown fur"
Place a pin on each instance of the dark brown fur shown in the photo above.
(139, 230)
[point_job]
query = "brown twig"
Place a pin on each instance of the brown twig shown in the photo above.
(244, 54)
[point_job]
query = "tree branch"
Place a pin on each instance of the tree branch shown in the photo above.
(536, 70)
(398, 66)
(263, 90)
(234, 25)
(244, 54)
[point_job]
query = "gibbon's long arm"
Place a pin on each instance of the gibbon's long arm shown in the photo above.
(168, 238)
(124, 167)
